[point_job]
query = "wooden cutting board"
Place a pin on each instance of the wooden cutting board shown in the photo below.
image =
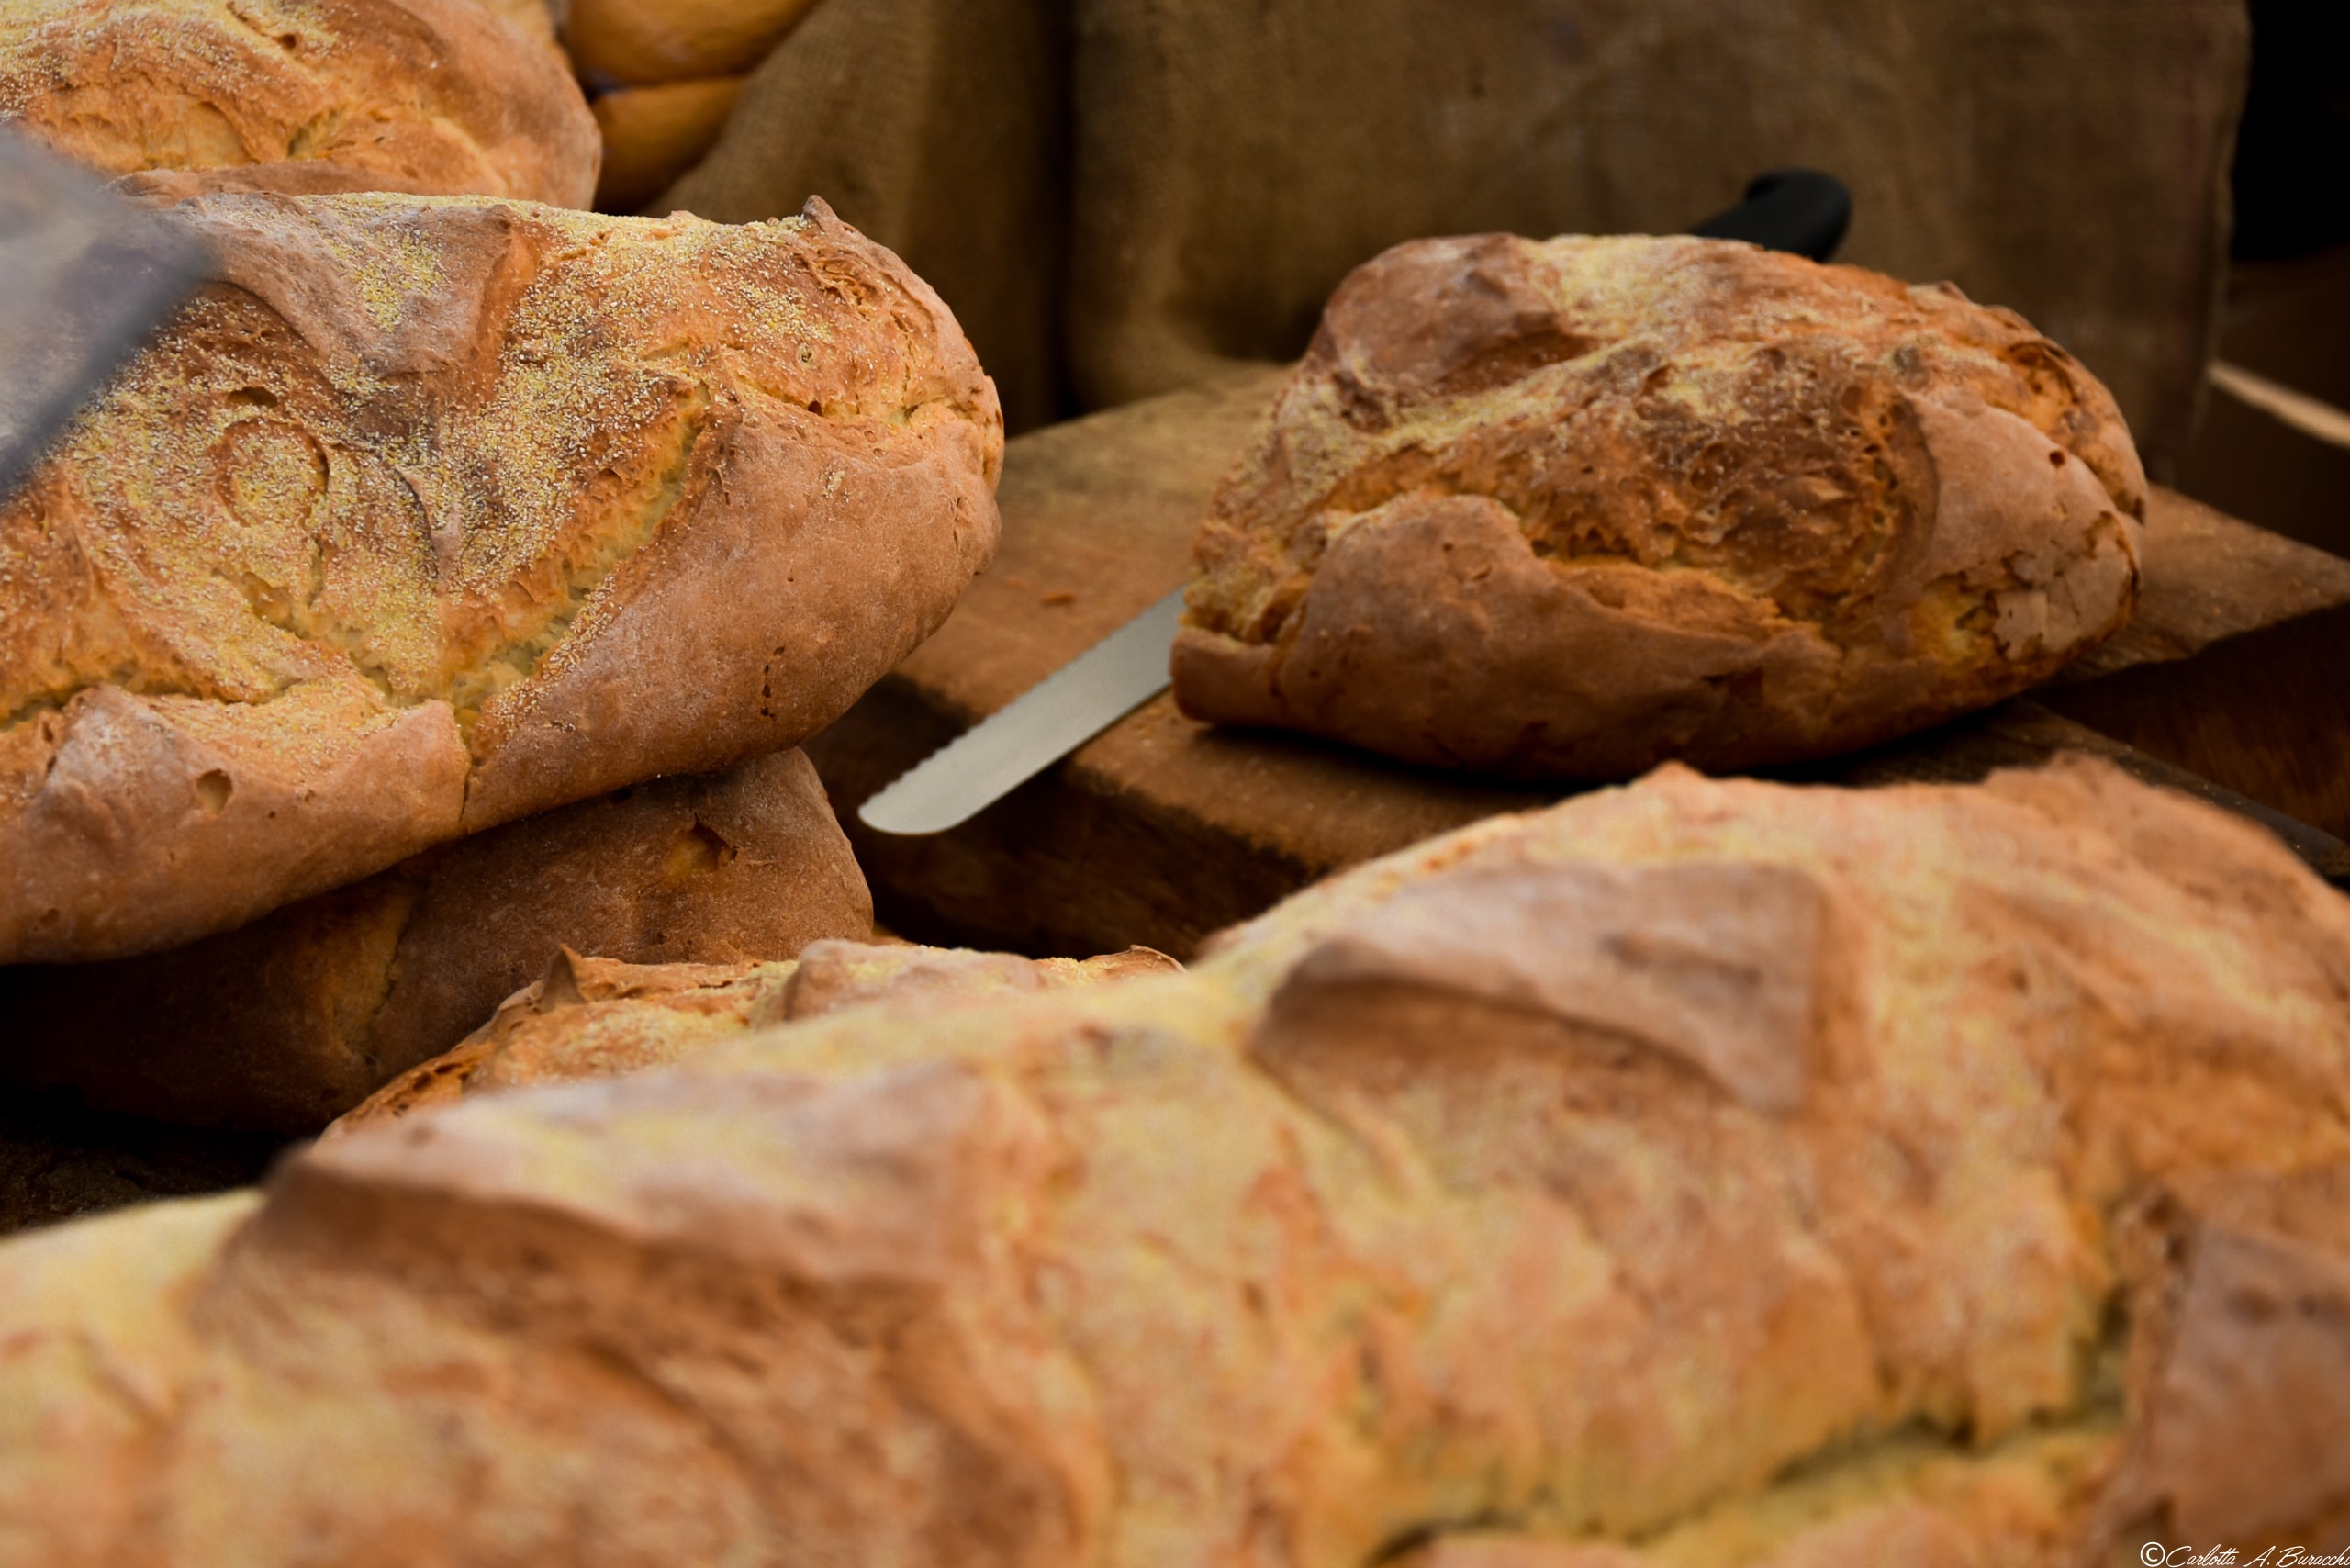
(1161, 830)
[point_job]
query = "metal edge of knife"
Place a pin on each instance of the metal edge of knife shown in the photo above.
(1034, 731)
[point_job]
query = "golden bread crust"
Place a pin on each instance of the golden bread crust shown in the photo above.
(435, 512)
(1525, 1184)
(1571, 508)
(292, 1020)
(194, 97)
(598, 1018)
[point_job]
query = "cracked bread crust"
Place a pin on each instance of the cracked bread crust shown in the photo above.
(1571, 508)
(193, 97)
(434, 512)
(1518, 1199)
(596, 1018)
(292, 1020)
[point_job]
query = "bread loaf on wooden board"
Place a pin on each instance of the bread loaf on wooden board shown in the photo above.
(598, 1018)
(1163, 829)
(1695, 1170)
(184, 97)
(1567, 509)
(290, 1021)
(434, 513)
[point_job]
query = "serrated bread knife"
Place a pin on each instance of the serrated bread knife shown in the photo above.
(1792, 210)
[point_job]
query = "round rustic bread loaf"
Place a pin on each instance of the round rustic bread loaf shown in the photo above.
(1570, 507)
(439, 97)
(1701, 1173)
(435, 512)
(290, 1021)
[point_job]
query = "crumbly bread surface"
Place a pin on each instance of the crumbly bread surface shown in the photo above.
(1695, 1173)
(435, 512)
(292, 1020)
(186, 98)
(1571, 508)
(600, 1018)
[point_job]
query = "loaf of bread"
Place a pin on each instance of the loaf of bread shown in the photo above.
(433, 513)
(1694, 1174)
(291, 1020)
(598, 1018)
(439, 97)
(667, 41)
(1568, 508)
(653, 134)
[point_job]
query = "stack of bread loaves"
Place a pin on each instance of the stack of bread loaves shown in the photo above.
(1697, 1173)
(434, 517)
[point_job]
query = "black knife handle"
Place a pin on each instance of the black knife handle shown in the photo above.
(1799, 210)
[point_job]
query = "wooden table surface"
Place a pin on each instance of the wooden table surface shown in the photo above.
(2231, 680)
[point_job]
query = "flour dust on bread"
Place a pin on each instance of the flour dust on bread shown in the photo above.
(289, 1020)
(1571, 508)
(188, 97)
(431, 514)
(1698, 1174)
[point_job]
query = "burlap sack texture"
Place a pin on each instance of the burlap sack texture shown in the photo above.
(1228, 161)
(939, 127)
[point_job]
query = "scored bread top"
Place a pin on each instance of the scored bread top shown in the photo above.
(431, 512)
(1700, 1173)
(446, 97)
(1574, 506)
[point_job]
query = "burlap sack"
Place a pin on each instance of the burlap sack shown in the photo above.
(939, 127)
(1232, 159)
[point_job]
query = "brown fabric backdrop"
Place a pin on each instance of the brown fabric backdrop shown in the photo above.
(938, 127)
(1228, 161)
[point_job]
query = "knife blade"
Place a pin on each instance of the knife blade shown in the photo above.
(1034, 730)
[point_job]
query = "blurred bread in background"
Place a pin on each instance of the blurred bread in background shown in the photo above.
(438, 97)
(653, 134)
(671, 40)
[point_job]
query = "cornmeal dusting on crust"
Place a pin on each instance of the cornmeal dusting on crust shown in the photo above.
(443, 95)
(1975, 1189)
(241, 514)
(434, 512)
(1798, 479)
